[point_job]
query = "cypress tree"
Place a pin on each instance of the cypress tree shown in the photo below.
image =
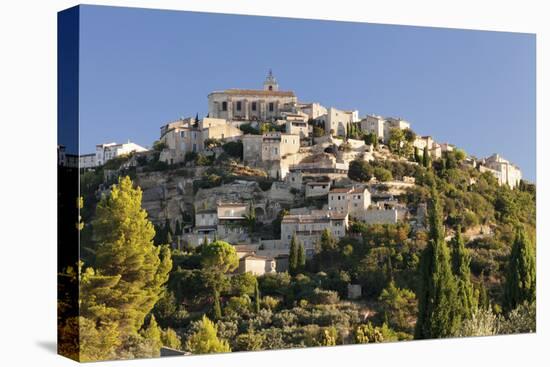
(301, 257)
(217, 309)
(293, 255)
(417, 158)
(483, 298)
(521, 276)
(257, 297)
(179, 230)
(461, 268)
(438, 315)
(426, 161)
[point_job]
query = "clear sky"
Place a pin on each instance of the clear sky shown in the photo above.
(141, 68)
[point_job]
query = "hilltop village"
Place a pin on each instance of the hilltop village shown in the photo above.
(263, 167)
(274, 223)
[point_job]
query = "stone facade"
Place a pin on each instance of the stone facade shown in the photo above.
(297, 127)
(257, 265)
(353, 201)
(268, 103)
(381, 126)
(503, 170)
(312, 110)
(336, 121)
(187, 135)
(106, 152)
(309, 227)
(315, 189)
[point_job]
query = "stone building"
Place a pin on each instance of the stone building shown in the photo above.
(257, 265)
(297, 127)
(106, 152)
(336, 121)
(352, 201)
(87, 160)
(381, 126)
(309, 227)
(271, 146)
(187, 135)
(315, 189)
(274, 152)
(206, 221)
(422, 142)
(231, 225)
(503, 170)
(312, 110)
(264, 104)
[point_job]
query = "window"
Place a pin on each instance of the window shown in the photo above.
(182, 134)
(224, 106)
(253, 106)
(239, 105)
(270, 87)
(271, 107)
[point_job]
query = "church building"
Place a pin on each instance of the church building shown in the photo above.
(264, 104)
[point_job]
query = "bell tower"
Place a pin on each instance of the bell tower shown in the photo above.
(270, 82)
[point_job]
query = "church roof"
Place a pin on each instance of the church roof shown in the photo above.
(257, 92)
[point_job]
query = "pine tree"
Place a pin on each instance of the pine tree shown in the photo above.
(438, 314)
(301, 257)
(461, 268)
(520, 284)
(257, 297)
(126, 251)
(218, 258)
(205, 339)
(293, 255)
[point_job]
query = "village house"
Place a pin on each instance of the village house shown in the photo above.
(257, 265)
(353, 201)
(231, 224)
(106, 152)
(382, 126)
(206, 221)
(503, 170)
(250, 104)
(312, 110)
(309, 227)
(297, 127)
(188, 135)
(87, 160)
(316, 189)
(271, 146)
(421, 142)
(336, 121)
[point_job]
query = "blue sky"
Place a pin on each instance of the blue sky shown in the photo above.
(141, 68)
